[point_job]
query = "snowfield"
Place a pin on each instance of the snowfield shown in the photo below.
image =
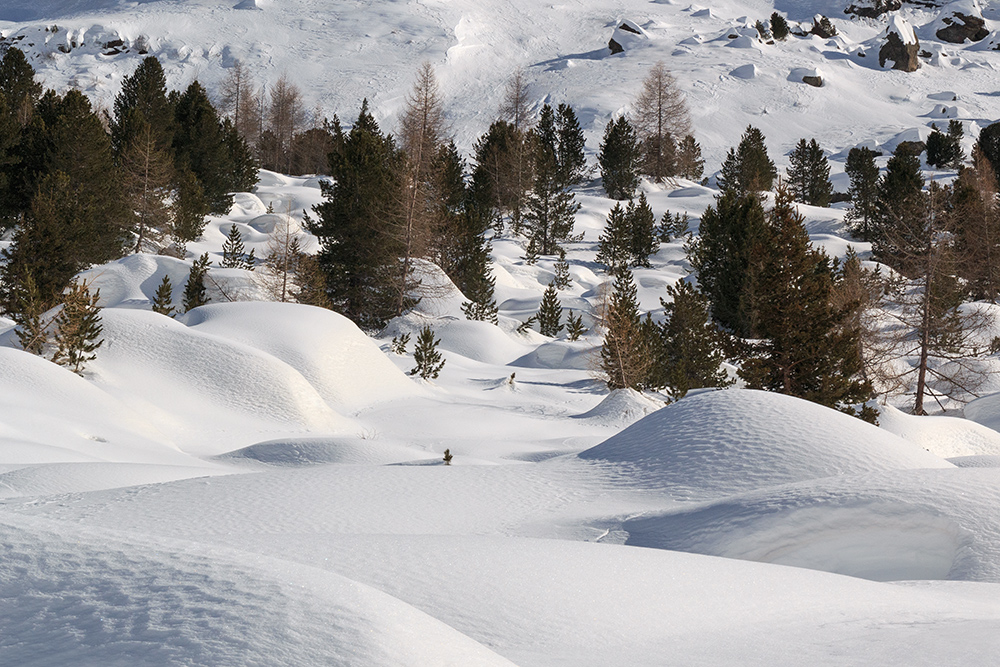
(256, 483)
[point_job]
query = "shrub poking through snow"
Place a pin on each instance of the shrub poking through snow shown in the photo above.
(447, 457)
(426, 355)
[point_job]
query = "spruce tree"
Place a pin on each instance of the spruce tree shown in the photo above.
(78, 328)
(690, 344)
(624, 354)
(194, 290)
(722, 252)
(748, 168)
(164, 298)
(425, 354)
(615, 243)
(642, 230)
(809, 174)
(574, 326)
(549, 316)
(560, 268)
(900, 211)
(619, 159)
(863, 172)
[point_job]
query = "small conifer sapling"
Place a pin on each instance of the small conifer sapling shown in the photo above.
(78, 328)
(426, 355)
(550, 313)
(164, 298)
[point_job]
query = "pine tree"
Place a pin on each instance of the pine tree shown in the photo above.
(574, 326)
(690, 164)
(660, 114)
(426, 355)
(900, 211)
(614, 245)
(722, 252)
(549, 314)
(779, 26)
(642, 230)
(945, 150)
(672, 226)
(194, 290)
(570, 160)
(164, 298)
(809, 174)
(560, 268)
(748, 168)
(28, 314)
(551, 207)
(502, 173)
(78, 328)
(689, 346)
(18, 85)
(619, 159)
(624, 355)
(863, 191)
(141, 110)
(804, 350)
(359, 226)
(234, 254)
(189, 208)
(988, 144)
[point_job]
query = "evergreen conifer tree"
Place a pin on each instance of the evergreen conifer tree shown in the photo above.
(78, 328)
(359, 224)
(988, 144)
(614, 245)
(809, 174)
(425, 354)
(690, 164)
(549, 316)
(977, 228)
(806, 350)
(570, 159)
(32, 329)
(748, 168)
(234, 253)
(502, 174)
(690, 344)
(900, 211)
(642, 228)
(18, 85)
(562, 278)
(625, 355)
(551, 207)
(722, 253)
(619, 159)
(574, 326)
(945, 150)
(164, 298)
(779, 26)
(863, 191)
(142, 108)
(194, 291)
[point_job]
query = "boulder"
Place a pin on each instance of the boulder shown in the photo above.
(961, 20)
(815, 81)
(625, 36)
(822, 27)
(901, 46)
(873, 8)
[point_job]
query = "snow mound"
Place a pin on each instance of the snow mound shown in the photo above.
(559, 354)
(622, 407)
(131, 282)
(946, 437)
(745, 72)
(94, 598)
(50, 415)
(59, 478)
(209, 392)
(985, 411)
(887, 526)
(344, 365)
(724, 442)
(479, 341)
(981, 461)
(321, 451)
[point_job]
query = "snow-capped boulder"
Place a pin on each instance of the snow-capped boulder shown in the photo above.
(745, 71)
(626, 36)
(961, 20)
(901, 46)
(822, 27)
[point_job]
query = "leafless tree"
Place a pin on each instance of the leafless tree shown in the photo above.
(148, 174)
(661, 119)
(285, 118)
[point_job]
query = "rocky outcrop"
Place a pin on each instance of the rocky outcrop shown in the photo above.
(822, 27)
(901, 47)
(625, 35)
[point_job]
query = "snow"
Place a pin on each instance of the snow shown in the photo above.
(262, 483)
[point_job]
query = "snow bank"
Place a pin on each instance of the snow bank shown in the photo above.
(722, 442)
(89, 597)
(622, 407)
(895, 525)
(344, 365)
(321, 451)
(946, 437)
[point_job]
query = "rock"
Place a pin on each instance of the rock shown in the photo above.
(815, 81)
(627, 35)
(873, 8)
(822, 27)
(901, 46)
(961, 20)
